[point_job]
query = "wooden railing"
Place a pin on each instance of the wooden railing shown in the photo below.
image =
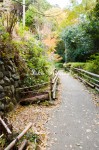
(35, 86)
(51, 88)
(89, 78)
(54, 82)
(48, 93)
(14, 142)
(7, 132)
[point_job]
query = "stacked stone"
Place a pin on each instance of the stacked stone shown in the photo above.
(9, 81)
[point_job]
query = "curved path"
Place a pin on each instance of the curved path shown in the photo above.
(75, 123)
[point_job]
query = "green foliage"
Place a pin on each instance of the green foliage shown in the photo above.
(81, 40)
(2, 142)
(45, 103)
(35, 14)
(58, 65)
(43, 3)
(7, 48)
(93, 64)
(79, 45)
(22, 31)
(77, 12)
(71, 65)
(29, 58)
(31, 17)
(92, 27)
(38, 67)
(60, 49)
(31, 137)
(3, 34)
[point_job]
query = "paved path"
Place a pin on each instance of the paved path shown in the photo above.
(75, 123)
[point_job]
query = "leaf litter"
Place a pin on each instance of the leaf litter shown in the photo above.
(38, 115)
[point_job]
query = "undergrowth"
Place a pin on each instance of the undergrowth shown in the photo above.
(92, 65)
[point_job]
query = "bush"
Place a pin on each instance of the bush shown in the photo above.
(93, 64)
(77, 65)
(34, 57)
(74, 65)
(58, 65)
(28, 55)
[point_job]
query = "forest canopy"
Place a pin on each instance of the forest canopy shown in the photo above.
(79, 36)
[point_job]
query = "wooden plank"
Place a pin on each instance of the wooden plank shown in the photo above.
(38, 85)
(37, 98)
(97, 89)
(97, 81)
(91, 81)
(5, 126)
(81, 79)
(96, 85)
(23, 145)
(18, 137)
(92, 84)
(88, 83)
(1, 136)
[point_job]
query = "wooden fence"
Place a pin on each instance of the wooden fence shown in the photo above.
(7, 132)
(6, 128)
(51, 93)
(88, 78)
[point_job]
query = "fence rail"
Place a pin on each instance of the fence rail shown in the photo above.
(34, 92)
(6, 130)
(89, 78)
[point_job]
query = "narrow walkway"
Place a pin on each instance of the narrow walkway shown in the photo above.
(75, 123)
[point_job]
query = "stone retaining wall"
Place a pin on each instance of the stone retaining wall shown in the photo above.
(9, 81)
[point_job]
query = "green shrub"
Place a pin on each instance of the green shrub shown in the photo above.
(74, 65)
(34, 56)
(28, 55)
(58, 65)
(93, 64)
(78, 65)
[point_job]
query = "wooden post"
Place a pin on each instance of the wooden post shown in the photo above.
(18, 137)
(51, 88)
(53, 85)
(23, 13)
